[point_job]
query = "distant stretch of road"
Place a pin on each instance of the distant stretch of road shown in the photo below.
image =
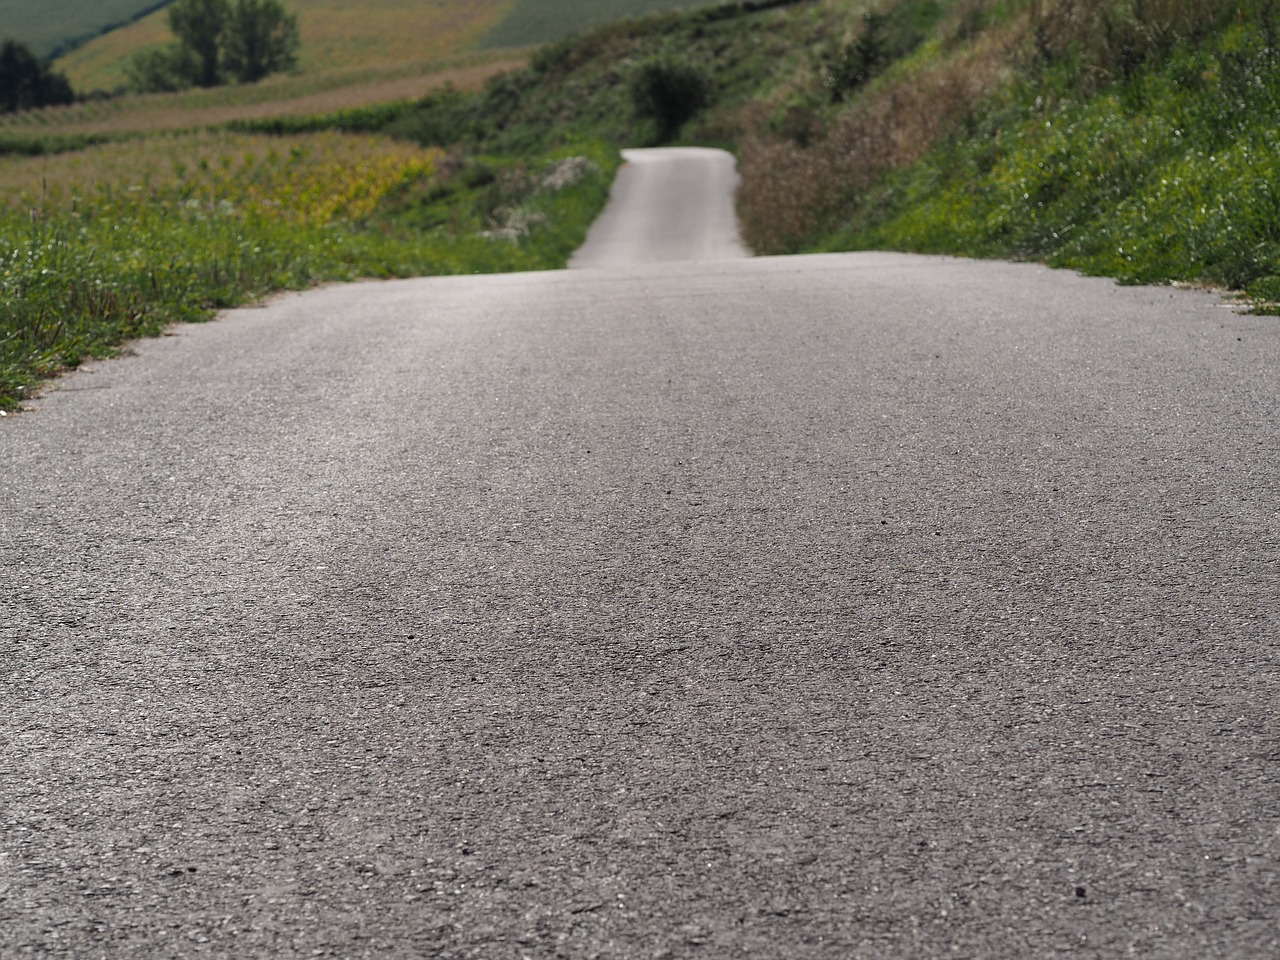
(668, 204)
(681, 605)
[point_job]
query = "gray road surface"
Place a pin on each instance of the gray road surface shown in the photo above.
(668, 204)
(837, 607)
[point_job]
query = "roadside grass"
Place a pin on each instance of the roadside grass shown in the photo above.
(115, 243)
(1171, 174)
(1130, 139)
(336, 35)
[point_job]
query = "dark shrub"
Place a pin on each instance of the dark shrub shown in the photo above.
(669, 94)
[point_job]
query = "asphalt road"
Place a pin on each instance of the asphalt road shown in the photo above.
(668, 204)
(865, 606)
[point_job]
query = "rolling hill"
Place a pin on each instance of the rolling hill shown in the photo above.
(337, 34)
(540, 21)
(49, 26)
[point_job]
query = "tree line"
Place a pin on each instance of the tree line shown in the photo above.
(27, 83)
(218, 41)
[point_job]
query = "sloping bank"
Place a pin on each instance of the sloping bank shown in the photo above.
(1134, 140)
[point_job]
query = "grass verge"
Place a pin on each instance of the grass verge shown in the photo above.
(127, 242)
(1135, 139)
(1172, 173)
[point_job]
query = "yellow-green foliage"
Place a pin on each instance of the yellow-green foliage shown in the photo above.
(335, 34)
(315, 178)
(117, 241)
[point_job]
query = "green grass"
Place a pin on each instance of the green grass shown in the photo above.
(371, 119)
(41, 145)
(120, 264)
(1171, 173)
(49, 27)
(541, 21)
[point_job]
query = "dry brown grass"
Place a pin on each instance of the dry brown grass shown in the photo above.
(276, 98)
(1113, 38)
(789, 191)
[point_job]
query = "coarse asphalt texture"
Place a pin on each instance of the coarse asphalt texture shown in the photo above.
(842, 606)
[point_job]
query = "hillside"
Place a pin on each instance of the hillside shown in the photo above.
(542, 21)
(338, 35)
(48, 26)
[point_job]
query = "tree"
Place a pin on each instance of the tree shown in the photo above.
(259, 38)
(26, 83)
(162, 69)
(199, 26)
(241, 39)
(669, 94)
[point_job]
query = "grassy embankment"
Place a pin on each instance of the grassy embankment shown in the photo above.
(1137, 140)
(530, 22)
(116, 242)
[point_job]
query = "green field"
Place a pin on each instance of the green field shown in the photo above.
(541, 21)
(339, 35)
(47, 26)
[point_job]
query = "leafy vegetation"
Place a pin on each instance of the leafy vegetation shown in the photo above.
(669, 93)
(26, 83)
(217, 40)
(115, 243)
(39, 145)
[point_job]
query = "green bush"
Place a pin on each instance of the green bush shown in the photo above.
(668, 93)
(858, 61)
